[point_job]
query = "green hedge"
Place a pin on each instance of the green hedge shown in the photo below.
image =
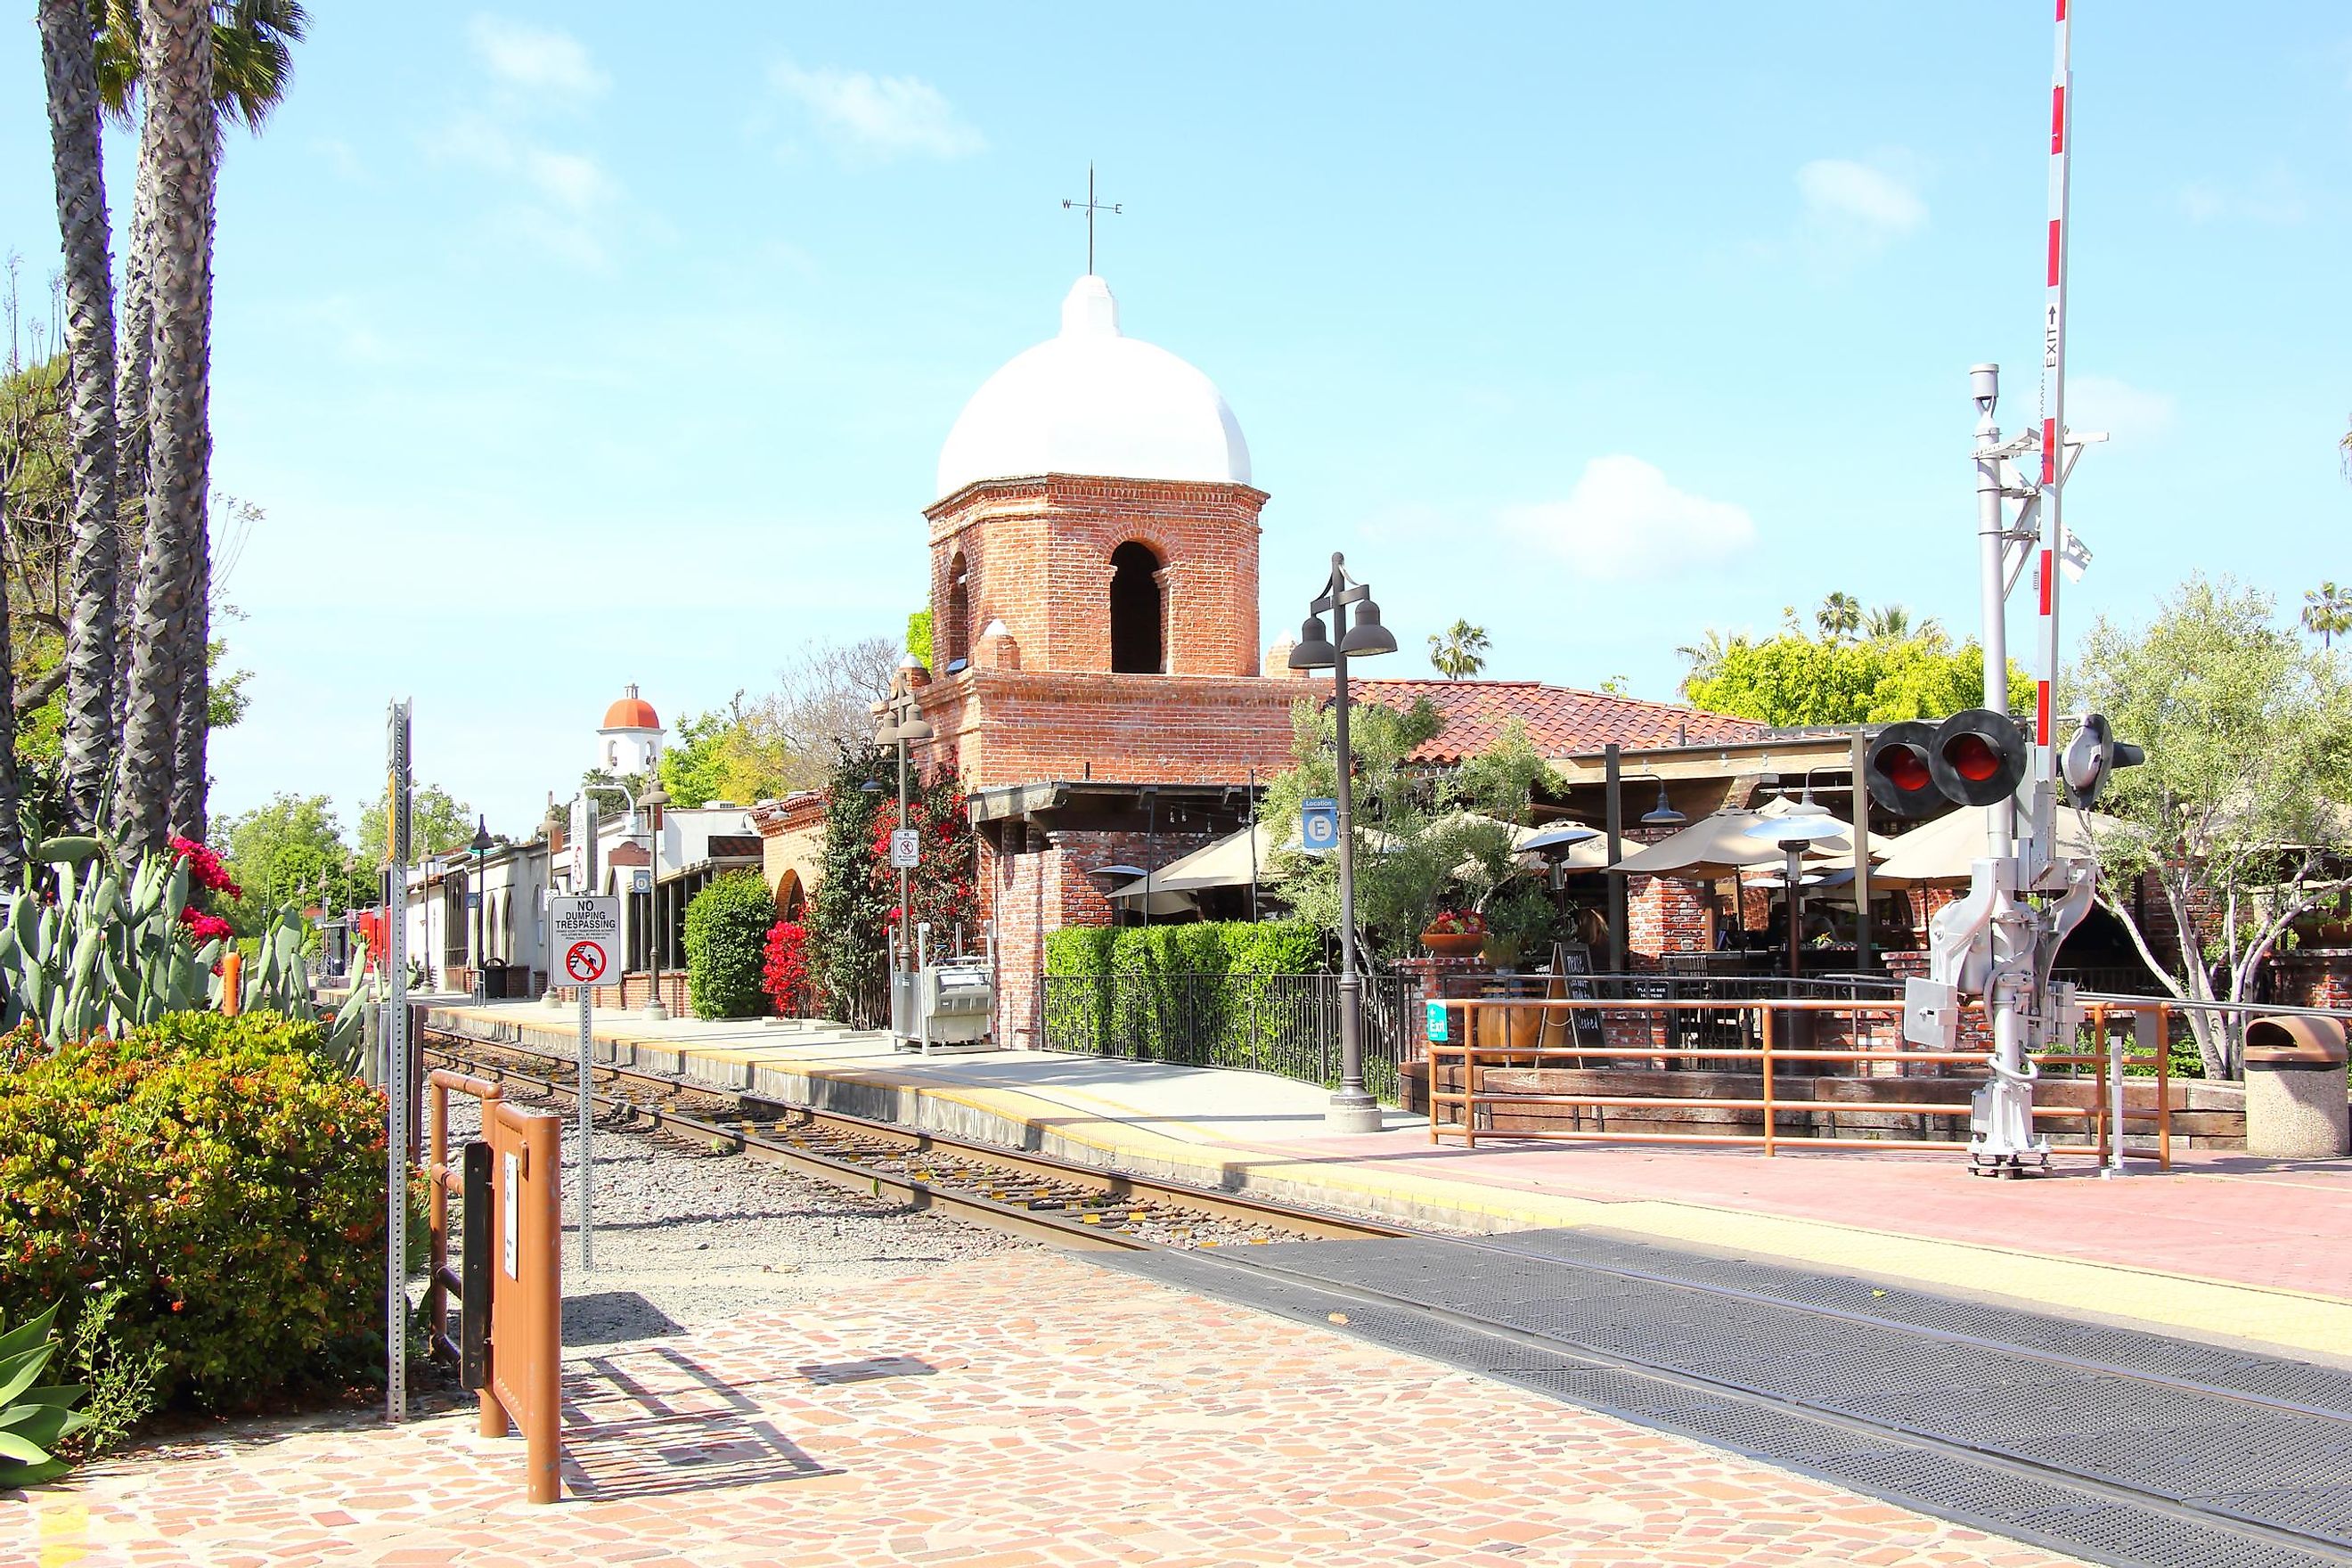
(220, 1171)
(727, 927)
(1132, 991)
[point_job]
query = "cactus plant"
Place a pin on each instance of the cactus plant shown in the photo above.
(33, 1419)
(100, 958)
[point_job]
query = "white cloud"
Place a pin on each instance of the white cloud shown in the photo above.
(1623, 520)
(1841, 192)
(542, 60)
(2274, 197)
(2123, 410)
(567, 197)
(883, 117)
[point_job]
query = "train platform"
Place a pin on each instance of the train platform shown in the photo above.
(1030, 1410)
(2221, 1246)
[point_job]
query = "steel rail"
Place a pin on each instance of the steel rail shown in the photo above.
(1011, 1218)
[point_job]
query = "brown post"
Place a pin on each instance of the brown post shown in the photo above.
(526, 1303)
(2163, 1087)
(1770, 1120)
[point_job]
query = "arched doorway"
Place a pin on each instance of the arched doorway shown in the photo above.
(956, 641)
(1136, 617)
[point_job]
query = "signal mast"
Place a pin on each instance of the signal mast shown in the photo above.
(1999, 942)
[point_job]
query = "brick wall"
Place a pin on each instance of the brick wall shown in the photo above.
(1663, 916)
(1036, 553)
(1022, 726)
(1040, 882)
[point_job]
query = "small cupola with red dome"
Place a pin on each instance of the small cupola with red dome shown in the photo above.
(630, 739)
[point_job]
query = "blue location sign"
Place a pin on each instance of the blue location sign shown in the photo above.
(1319, 826)
(1436, 1016)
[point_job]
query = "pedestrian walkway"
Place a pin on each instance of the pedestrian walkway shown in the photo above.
(1025, 1411)
(2223, 1246)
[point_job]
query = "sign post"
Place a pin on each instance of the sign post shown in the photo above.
(586, 933)
(397, 736)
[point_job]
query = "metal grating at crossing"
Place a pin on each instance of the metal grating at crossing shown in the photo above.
(2118, 1468)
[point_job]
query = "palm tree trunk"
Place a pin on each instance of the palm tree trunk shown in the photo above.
(11, 838)
(133, 378)
(170, 623)
(75, 155)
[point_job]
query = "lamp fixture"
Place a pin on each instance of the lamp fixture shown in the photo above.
(1665, 816)
(1314, 649)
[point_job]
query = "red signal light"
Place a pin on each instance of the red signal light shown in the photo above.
(1906, 767)
(1972, 758)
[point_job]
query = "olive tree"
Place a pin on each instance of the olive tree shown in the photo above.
(2239, 819)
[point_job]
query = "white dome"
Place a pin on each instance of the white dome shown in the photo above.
(1092, 402)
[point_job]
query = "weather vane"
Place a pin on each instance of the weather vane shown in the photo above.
(1092, 206)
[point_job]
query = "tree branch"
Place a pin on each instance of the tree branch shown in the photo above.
(40, 689)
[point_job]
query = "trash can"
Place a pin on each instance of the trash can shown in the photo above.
(2295, 1107)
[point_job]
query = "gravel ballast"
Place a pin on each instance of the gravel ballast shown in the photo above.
(686, 1237)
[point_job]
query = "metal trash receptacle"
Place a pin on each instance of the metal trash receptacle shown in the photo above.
(2296, 1105)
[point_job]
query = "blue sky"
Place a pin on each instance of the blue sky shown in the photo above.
(562, 351)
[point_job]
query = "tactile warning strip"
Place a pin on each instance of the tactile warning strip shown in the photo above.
(2023, 1498)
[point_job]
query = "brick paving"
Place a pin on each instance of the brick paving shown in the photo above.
(1070, 1416)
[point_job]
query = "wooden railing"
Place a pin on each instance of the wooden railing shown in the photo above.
(1504, 1033)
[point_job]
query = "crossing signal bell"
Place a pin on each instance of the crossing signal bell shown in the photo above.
(1976, 757)
(2091, 757)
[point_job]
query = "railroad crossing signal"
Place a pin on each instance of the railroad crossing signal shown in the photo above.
(1976, 757)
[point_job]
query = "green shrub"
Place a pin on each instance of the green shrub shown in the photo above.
(727, 947)
(1196, 992)
(219, 1173)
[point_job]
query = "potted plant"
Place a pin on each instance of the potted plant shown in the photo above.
(1519, 919)
(1454, 933)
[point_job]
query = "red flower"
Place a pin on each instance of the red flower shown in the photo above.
(203, 928)
(205, 867)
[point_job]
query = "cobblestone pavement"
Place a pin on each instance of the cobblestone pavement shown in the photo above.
(1022, 1410)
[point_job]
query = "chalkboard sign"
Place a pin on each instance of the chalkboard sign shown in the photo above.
(1572, 968)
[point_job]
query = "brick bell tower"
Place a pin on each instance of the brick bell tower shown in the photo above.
(1096, 514)
(1095, 677)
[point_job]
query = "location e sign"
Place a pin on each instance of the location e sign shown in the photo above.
(585, 941)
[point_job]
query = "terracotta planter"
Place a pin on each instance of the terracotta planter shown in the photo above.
(1455, 943)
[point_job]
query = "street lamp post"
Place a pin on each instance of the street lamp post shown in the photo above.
(652, 803)
(481, 848)
(1352, 1109)
(902, 724)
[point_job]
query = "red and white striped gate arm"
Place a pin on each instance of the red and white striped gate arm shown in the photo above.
(2053, 372)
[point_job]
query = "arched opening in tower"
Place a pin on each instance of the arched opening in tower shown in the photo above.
(1136, 643)
(957, 638)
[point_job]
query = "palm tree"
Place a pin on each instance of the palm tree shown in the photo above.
(2328, 611)
(180, 145)
(1892, 623)
(1460, 651)
(1839, 618)
(1705, 656)
(195, 63)
(70, 60)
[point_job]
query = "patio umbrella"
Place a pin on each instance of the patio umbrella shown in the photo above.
(1715, 847)
(1941, 853)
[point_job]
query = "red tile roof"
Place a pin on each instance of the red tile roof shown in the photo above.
(1561, 721)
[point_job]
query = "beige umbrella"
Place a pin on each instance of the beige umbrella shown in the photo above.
(1943, 851)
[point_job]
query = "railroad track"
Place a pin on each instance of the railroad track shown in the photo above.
(1032, 1195)
(2115, 1444)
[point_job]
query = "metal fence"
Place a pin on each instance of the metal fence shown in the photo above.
(1283, 1024)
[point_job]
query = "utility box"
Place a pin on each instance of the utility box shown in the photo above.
(954, 1002)
(2295, 1107)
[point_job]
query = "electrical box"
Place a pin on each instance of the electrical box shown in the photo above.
(1931, 1013)
(954, 1002)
